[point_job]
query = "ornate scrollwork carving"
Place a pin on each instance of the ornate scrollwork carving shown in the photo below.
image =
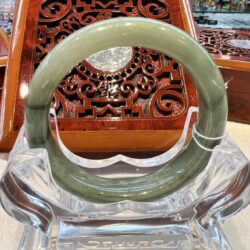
(52, 11)
(155, 9)
(150, 85)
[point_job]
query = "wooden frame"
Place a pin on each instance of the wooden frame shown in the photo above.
(95, 137)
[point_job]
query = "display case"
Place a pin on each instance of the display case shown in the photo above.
(7, 9)
(226, 6)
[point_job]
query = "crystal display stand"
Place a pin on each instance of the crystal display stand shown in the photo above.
(173, 201)
(186, 219)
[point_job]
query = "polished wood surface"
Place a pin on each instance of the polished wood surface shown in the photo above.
(102, 119)
(238, 94)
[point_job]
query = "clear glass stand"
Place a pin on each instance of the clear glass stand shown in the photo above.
(186, 219)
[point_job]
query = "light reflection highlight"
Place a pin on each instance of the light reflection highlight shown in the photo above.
(24, 90)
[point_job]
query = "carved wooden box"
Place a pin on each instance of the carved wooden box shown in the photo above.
(141, 106)
(231, 51)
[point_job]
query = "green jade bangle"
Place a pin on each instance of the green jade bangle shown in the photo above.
(120, 32)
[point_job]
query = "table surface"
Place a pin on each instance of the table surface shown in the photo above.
(236, 229)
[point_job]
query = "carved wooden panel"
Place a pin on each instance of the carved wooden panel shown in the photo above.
(149, 92)
(230, 44)
(150, 85)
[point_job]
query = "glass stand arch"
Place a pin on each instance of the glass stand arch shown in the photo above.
(186, 219)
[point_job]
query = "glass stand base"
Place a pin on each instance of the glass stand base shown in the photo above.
(125, 236)
(188, 218)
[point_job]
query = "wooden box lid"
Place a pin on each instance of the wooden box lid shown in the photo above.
(231, 51)
(229, 48)
(94, 110)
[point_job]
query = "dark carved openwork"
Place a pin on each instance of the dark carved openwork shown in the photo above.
(150, 85)
(233, 43)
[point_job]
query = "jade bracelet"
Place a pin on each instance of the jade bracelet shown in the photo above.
(120, 32)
